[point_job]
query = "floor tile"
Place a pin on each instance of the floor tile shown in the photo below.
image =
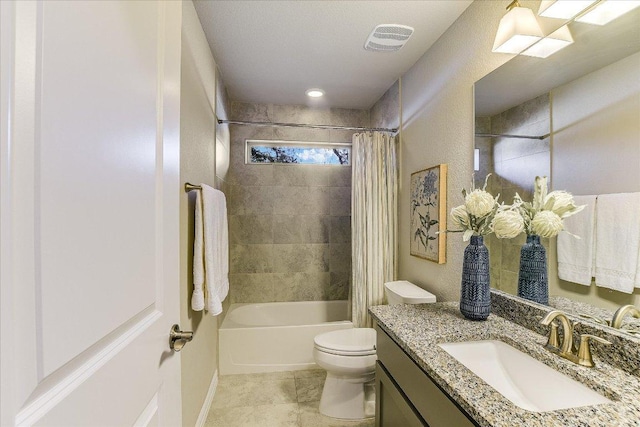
(263, 376)
(287, 399)
(236, 392)
(309, 389)
(310, 417)
(310, 373)
(283, 415)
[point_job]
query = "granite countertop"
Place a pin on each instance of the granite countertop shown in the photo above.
(419, 328)
(581, 309)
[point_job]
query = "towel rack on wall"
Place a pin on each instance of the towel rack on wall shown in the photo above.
(188, 187)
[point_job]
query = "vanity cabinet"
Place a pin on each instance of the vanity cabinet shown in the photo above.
(406, 395)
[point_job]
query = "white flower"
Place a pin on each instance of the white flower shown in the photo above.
(546, 224)
(479, 203)
(561, 203)
(539, 192)
(507, 224)
(460, 217)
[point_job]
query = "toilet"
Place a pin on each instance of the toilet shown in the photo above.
(349, 357)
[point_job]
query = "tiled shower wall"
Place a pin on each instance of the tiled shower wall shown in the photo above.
(514, 164)
(289, 225)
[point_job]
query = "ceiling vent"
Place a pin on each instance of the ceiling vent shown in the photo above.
(388, 37)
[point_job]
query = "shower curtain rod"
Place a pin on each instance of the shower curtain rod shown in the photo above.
(305, 125)
(490, 135)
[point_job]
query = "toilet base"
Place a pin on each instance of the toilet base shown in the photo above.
(348, 397)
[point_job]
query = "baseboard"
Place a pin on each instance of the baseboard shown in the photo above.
(206, 406)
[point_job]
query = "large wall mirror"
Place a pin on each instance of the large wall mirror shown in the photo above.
(575, 117)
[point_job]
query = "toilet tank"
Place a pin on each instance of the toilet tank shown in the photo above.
(404, 292)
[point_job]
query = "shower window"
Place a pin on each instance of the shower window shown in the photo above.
(297, 152)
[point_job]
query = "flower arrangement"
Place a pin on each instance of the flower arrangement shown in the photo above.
(543, 216)
(475, 216)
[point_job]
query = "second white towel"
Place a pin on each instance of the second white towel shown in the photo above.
(618, 241)
(575, 256)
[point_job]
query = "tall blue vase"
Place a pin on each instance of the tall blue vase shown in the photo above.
(475, 297)
(533, 283)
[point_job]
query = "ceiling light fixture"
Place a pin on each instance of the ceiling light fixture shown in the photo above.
(314, 93)
(549, 45)
(518, 30)
(607, 10)
(563, 9)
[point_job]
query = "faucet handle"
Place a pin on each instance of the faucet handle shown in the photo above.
(553, 343)
(584, 352)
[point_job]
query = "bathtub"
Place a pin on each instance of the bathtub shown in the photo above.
(276, 336)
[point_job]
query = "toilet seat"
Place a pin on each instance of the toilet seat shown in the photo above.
(347, 342)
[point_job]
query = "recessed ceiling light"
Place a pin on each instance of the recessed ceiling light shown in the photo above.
(315, 93)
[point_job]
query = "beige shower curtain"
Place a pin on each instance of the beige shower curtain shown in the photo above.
(373, 221)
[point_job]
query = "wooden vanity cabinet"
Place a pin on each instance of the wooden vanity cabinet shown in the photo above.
(406, 396)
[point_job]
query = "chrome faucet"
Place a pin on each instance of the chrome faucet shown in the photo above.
(616, 320)
(582, 355)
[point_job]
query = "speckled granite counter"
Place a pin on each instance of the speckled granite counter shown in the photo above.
(417, 329)
(584, 310)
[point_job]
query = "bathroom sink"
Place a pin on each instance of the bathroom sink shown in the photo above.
(523, 380)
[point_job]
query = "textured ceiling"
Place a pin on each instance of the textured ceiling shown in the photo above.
(272, 51)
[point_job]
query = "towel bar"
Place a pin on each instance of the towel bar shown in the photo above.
(188, 187)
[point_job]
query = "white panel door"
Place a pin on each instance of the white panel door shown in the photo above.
(89, 168)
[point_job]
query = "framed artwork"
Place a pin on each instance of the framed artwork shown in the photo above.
(429, 214)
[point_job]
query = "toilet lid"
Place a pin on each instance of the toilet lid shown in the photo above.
(347, 342)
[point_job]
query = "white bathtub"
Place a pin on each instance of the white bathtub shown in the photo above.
(276, 336)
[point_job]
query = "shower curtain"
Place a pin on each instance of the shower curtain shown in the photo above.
(373, 221)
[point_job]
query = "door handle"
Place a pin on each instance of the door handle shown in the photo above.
(178, 338)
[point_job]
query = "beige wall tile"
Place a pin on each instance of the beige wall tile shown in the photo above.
(340, 201)
(315, 228)
(251, 258)
(302, 200)
(340, 176)
(299, 199)
(254, 200)
(339, 286)
(302, 175)
(251, 287)
(340, 257)
(247, 229)
(340, 229)
(300, 258)
(300, 286)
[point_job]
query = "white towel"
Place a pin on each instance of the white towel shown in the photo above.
(618, 241)
(210, 251)
(575, 256)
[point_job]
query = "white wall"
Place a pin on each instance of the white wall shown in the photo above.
(197, 165)
(438, 127)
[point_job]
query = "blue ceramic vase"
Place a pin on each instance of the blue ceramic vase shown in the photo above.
(475, 298)
(533, 283)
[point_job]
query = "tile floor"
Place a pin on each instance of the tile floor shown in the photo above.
(278, 399)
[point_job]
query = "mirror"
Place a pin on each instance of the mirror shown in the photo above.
(578, 111)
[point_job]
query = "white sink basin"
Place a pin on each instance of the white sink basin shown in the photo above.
(523, 380)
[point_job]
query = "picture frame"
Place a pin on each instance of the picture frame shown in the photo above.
(428, 211)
